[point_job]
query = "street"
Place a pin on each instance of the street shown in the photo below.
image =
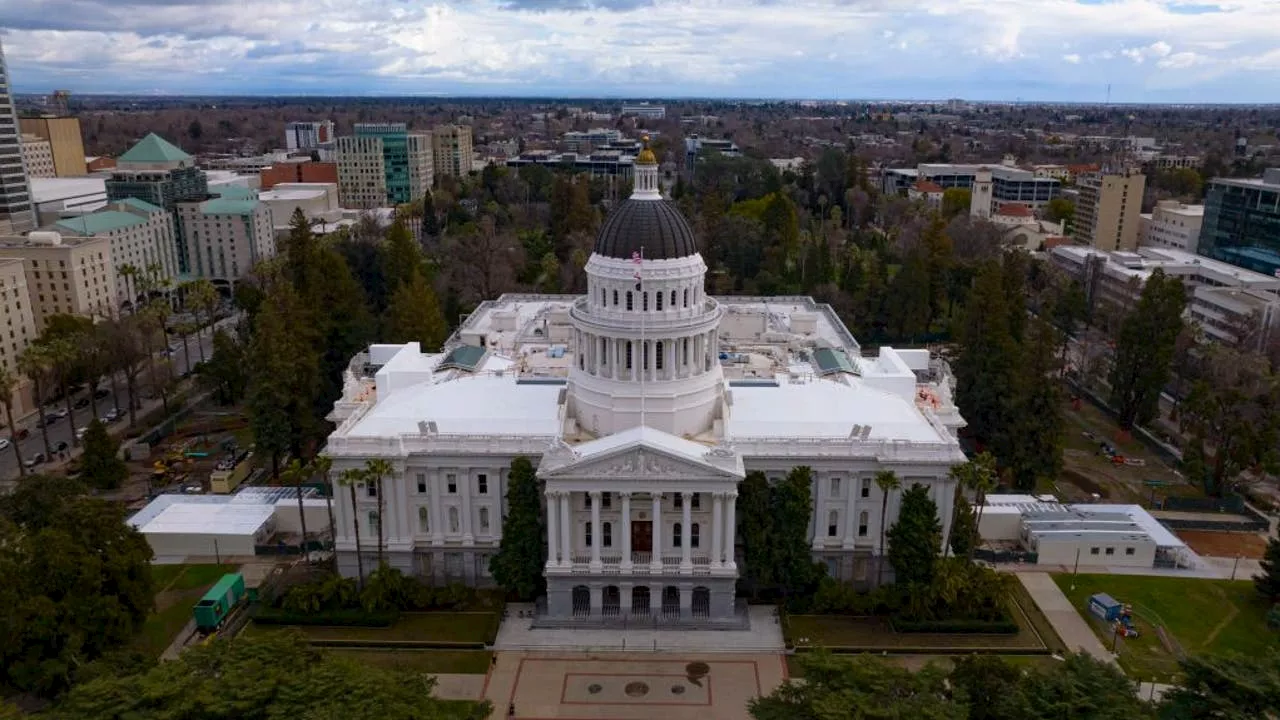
(60, 430)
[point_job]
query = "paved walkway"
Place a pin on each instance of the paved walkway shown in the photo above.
(459, 687)
(631, 686)
(1066, 621)
(765, 635)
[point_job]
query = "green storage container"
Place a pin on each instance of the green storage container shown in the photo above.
(214, 607)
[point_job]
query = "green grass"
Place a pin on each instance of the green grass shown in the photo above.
(918, 662)
(1032, 615)
(472, 627)
(875, 632)
(178, 587)
(471, 662)
(1204, 616)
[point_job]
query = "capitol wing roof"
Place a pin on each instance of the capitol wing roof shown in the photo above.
(640, 452)
(826, 408)
(481, 405)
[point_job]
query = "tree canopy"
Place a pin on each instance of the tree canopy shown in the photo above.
(1144, 349)
(519, 565)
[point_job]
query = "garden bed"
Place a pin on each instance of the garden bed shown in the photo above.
(421, 629)
(845, 633)
(470, 662)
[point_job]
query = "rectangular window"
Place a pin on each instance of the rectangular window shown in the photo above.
(606, 501)
(835, 487)
(1129, 551)
(866, 487)
(1093, 551)
(422, 483)
(452, 481)
(679, 501)
(482, 484)
(371, 489)
(1111, 551)
(696, 501)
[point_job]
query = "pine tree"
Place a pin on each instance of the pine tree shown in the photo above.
(985, 368)
(521, 559)
(299, 249)
(430, 223)
(1268, 582)
(964, 528)
(99, 466)
(401, 256)
(1144, 350)
(414, 315)
(1031, 443)
(791, 507)
(756, 525)
(915, 539)
(909, 314)
(283, 377)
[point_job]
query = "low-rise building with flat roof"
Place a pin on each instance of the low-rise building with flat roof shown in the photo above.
(317, 201)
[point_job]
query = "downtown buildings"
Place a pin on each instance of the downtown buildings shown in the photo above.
(643, 402)
(1242, 222)
(383, 165)
(16, 212)
(1109, 209)
(451, 147)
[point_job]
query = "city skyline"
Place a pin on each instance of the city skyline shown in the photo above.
(1125, 51)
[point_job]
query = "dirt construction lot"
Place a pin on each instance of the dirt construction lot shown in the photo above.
(1225, 544)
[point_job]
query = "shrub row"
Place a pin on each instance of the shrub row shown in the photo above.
(984, 627)
(334, 618)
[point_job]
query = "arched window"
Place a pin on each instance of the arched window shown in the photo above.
(833, 523)
(695, 533)
(862, 524)
(675, 535)
(606, 530)
(484, 520)
(629, 300)
(615, 298)
(424, 520)
(658, 299)
(588, 535)
(453, 519)
(657, 352)
(628, 347)
(686, 297)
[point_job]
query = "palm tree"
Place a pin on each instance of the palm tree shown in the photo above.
(201, 297)
(350, 478)
(979, 476)
(375, 471)
(94, 360)
(294, 473)
(321, 465)
(34, 362)
(130, 274)
(887, 481)
(64, 356)
(9, 383)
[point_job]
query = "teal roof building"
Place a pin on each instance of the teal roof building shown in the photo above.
(157, 173)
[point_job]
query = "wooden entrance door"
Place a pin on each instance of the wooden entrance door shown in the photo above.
(641, 536)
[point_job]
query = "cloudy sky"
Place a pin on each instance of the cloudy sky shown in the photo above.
(1146, 50)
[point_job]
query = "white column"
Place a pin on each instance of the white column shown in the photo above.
(435, 477)
(717, 529)
(499, 518)
(402, 507)
(566, 525)
(341, 518)
(596, 533)
(686, 533)
(464, 487)
(730, 530)
(655, 563)
(552, 528)
(819, 512)
(626, 533)
(850, 511)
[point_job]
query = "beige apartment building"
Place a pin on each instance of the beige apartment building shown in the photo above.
(452, 149)
(19, 328)
(37, 155)
(226, 237)
(65, 275)
(142, 237)
(1109, 210)
(65, 141)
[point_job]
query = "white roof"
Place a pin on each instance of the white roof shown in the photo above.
(480, 404)
(45, 190)
(824, 408)
(643, 436)
(292, 194)
(189, 518)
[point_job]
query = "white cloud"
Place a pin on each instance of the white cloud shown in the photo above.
(743, 47)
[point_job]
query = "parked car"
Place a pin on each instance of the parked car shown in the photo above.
(62, 446)
(35, 460)
(49, 419)
(112, 415)
(80, 432)
(82, 403)
(22, 434)
(4, 443)
(60, 413)
(101, 393)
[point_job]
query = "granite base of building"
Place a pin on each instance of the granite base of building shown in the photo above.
(672, 602)
(437, 566)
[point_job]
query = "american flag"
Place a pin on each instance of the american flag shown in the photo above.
(638, 259)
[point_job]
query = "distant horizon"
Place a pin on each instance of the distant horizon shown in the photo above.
(1090, 52)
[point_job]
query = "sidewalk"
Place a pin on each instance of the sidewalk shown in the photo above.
(1073, 629)
(516, 633)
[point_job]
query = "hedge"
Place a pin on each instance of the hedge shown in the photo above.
(331, 618)
(984, 627)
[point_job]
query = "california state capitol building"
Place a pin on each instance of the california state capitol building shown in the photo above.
(642, 404)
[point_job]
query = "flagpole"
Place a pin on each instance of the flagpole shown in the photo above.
(644, 348)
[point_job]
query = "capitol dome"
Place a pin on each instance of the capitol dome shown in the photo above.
(654, 225)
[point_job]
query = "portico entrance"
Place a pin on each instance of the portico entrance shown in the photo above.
(641, 536)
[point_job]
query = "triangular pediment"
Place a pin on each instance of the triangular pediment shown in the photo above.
(643, 454)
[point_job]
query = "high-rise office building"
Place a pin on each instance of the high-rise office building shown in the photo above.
(65, 141)
(16, 214)
(317, 135)
(1109, 209)
(452, 147)
(1242, 222)
(383, 165)
(37, 154)
(158, 172)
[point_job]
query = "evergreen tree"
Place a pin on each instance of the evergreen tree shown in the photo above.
(299, 249)
(909, 314)
(521, 559)
(430, 222)
(1227, 686)
(860, 687)
(985, 368)
(915, 539)
(99, 466)
(792, 504)
(964, 528)
(414, 315)
(1268, 581)
(886, 482)
(401, 256)
(282, 377)
(756, 526)
(1144, 349)
(1031, 447)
